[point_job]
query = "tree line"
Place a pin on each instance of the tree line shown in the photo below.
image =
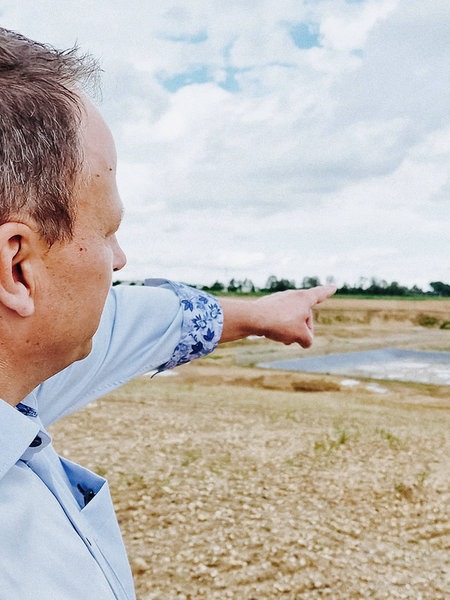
(364, 287)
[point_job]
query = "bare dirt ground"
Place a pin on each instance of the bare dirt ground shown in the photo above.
(231, 481)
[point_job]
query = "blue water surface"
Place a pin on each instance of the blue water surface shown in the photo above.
(387, 363)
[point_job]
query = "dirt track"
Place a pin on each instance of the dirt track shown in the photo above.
(233, 482)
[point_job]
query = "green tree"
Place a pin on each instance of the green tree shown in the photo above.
(234, 286)
(310, 282)
(440, 289)
(279, 285)
(217, 286)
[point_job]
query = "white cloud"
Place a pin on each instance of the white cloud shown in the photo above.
(349, 28)
(333, 160)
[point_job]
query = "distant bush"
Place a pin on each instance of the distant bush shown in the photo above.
(427, 320)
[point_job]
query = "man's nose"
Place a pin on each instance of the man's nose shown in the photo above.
(120, 260)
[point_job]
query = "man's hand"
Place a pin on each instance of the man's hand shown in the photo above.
(284, 316)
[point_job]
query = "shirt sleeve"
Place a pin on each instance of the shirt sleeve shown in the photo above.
(202, 324)
(143, 328)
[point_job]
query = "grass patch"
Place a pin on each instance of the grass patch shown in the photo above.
(332, 442)
(393, 440)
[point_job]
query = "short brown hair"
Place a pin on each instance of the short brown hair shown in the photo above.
(40, 116)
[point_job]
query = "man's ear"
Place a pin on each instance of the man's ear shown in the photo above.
(16, 277)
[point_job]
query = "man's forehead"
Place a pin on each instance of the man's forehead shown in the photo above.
(97, 140)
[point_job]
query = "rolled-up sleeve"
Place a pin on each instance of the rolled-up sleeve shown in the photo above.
(143, 328)
(201, 324)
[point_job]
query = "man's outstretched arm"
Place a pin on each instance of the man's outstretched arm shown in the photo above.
(284, 316)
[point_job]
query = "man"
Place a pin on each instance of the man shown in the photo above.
(66, 337)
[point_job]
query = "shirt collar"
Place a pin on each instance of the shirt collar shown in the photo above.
(17, 432)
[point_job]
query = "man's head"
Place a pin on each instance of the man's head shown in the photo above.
(59, 212)
(40, 150)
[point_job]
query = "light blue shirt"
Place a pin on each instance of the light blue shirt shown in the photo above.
(59, 537)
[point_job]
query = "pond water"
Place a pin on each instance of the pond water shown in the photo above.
(388, 363)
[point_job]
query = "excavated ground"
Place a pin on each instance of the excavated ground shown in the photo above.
(231, 481)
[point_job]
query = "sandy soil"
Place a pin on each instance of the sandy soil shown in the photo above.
(236, 482)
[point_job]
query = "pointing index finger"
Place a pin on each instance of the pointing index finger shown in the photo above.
(321, 293)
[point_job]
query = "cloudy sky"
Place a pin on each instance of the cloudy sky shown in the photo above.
(291, 138)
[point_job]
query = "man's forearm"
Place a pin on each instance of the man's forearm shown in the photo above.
(284, 317)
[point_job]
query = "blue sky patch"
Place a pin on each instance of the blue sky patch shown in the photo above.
(230, 83)
(305, 35)
(199, 75)
(196, 75)
(195, 38)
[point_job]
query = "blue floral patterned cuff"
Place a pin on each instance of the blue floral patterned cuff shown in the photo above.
(201, 327)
